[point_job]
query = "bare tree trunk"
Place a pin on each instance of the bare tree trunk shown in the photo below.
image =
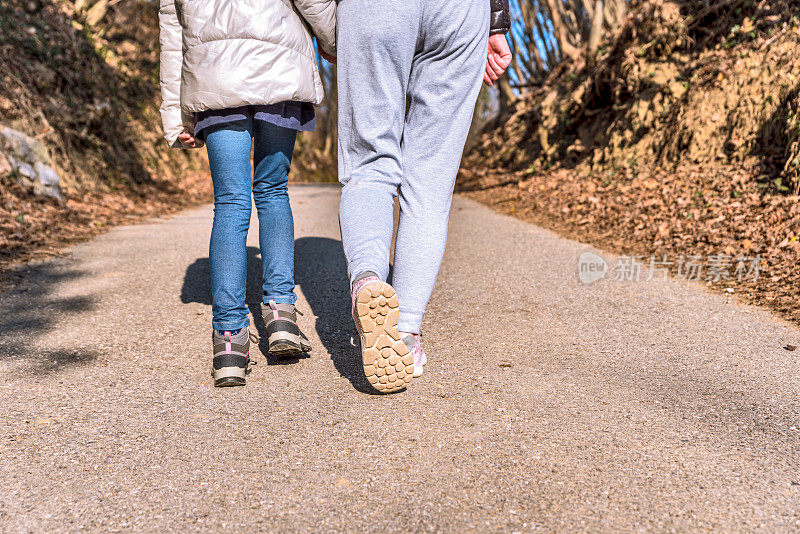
(535, 64)
(561, 31)
(329, 145)
(597, 29)
(579, 7)
(550, 52)
(507, 96)
(620, 11)
(97, 13)
(516, 60)
(588, 6)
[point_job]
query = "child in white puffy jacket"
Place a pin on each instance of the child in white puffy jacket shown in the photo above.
(236, 75)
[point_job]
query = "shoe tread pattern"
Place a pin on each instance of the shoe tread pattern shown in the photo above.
(388, 364)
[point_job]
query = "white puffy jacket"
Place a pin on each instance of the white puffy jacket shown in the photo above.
(218, 54)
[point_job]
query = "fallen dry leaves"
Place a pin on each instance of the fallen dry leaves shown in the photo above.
(689, 212)
(34, 227)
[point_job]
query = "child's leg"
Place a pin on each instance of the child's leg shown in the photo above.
(229, 158)
(272, 158)
(444, 85)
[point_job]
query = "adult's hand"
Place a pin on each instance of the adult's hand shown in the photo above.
(498, 58)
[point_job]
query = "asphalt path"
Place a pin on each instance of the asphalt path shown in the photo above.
(548, 404)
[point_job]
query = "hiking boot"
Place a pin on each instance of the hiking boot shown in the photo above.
(284, 336)
(231, 358)
(414, 344)
(388, 363)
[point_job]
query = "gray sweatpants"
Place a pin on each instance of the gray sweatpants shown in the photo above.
(409, 72)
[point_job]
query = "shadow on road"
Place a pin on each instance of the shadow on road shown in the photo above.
(29, 309)
(321, 272)
(197, 288)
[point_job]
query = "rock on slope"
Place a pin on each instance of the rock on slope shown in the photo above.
(88, 99)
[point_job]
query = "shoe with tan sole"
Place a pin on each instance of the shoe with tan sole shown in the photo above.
(388, 364)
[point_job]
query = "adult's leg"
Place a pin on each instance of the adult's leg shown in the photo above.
(229, 158)
(444, 84)
(272, 157)
(375, 49)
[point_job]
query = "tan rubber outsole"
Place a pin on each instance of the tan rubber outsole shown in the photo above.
(388, 365)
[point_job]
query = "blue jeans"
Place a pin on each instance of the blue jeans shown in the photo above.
(228, 148)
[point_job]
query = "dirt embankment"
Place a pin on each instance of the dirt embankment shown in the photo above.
(680, 141)
(90, 97)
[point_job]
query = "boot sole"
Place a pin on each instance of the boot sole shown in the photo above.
(229, 376)
(286, 345)
(388, 364)
(229, 381)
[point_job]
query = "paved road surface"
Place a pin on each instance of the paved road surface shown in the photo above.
(547, 404)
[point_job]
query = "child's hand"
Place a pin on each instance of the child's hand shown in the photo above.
(498, 58)
(329, 58)
(187, 139)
